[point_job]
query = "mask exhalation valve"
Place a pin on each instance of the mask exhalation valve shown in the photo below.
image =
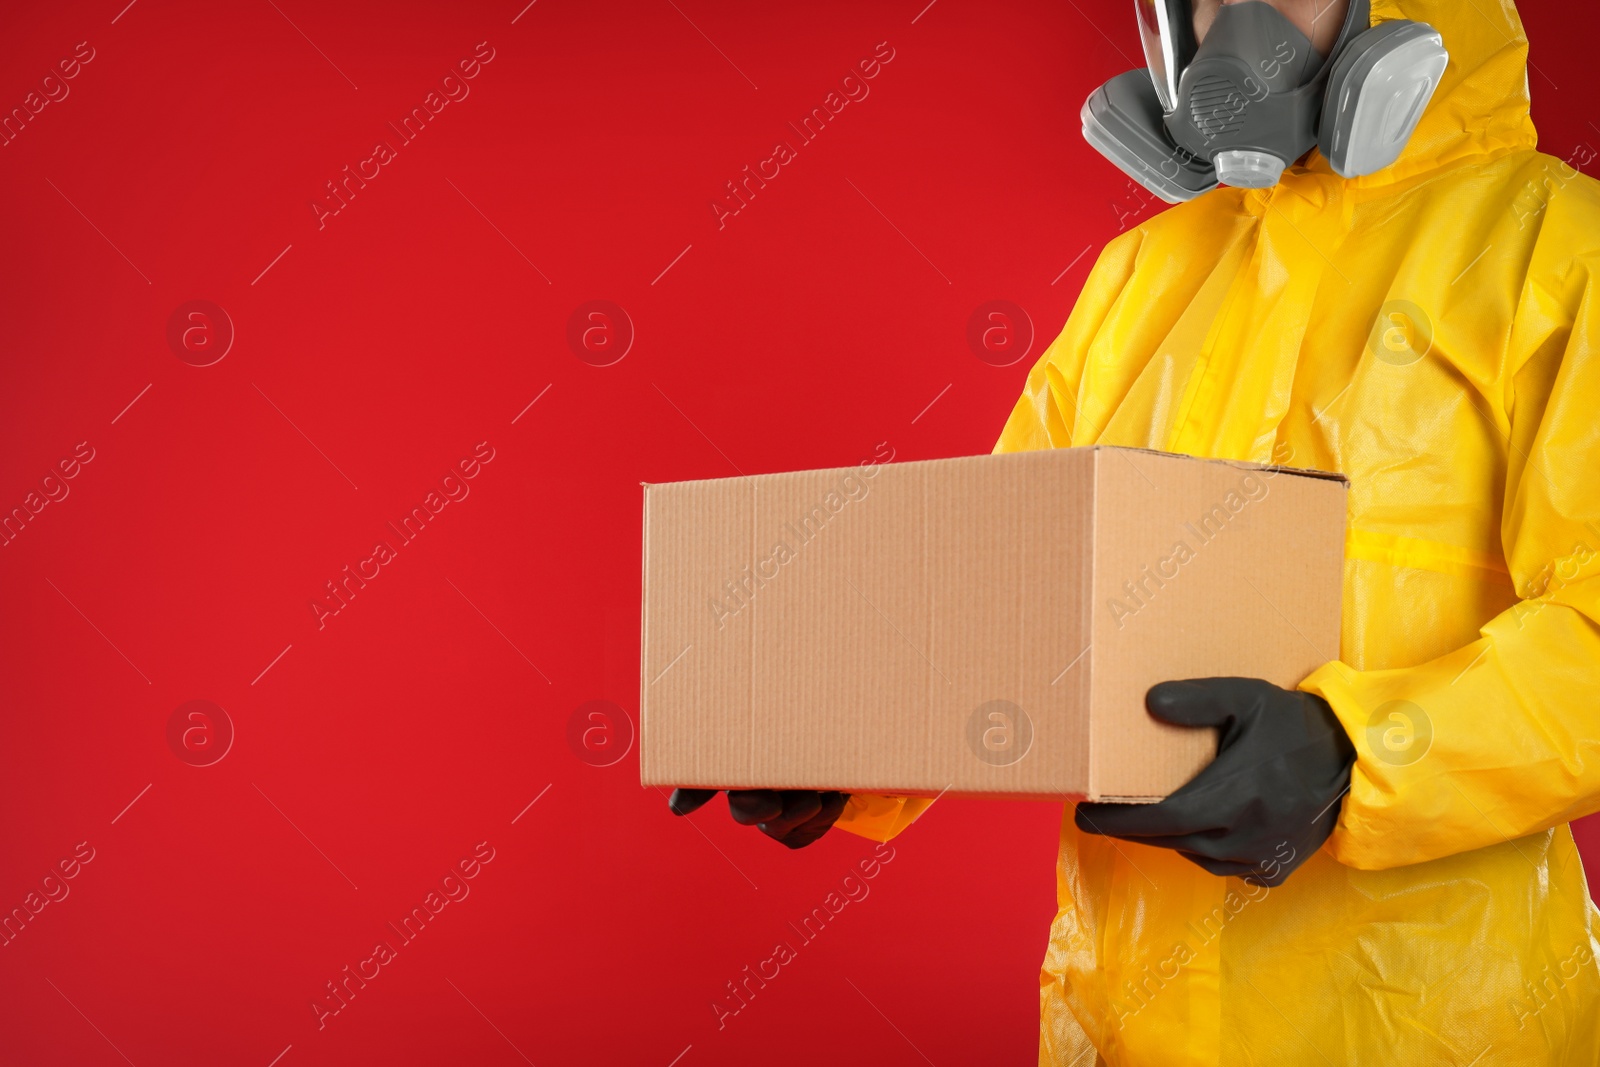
(1244, 169)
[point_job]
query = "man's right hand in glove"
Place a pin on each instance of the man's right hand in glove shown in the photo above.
(792, 817)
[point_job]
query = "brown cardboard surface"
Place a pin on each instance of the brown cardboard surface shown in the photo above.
(985, 625)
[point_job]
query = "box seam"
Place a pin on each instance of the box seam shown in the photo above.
(755, 619)
(932, 616)
(644, 624)
(1088, 617)
(1017, 487)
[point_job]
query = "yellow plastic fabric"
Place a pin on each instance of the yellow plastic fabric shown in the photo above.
(880, 818)
(1432, 331)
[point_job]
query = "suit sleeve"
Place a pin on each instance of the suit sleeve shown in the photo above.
(1515, 715)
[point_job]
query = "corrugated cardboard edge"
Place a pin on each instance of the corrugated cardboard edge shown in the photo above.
(1093, 793)
(644, 617)
(1086, 617)
(756, 617)
(1240, 464)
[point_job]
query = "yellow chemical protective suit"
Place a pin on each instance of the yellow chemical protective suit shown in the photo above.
(1433, 332)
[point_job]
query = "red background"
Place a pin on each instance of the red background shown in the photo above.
(375, 352)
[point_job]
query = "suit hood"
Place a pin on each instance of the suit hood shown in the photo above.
(1481, 107)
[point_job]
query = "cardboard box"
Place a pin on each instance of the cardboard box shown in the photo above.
(985, 626)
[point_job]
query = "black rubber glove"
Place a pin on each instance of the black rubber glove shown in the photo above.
(1268, 801)
(792, 817)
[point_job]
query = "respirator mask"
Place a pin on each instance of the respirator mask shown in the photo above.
(1255, 95)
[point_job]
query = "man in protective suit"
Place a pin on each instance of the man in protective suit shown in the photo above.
(1378, 867)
